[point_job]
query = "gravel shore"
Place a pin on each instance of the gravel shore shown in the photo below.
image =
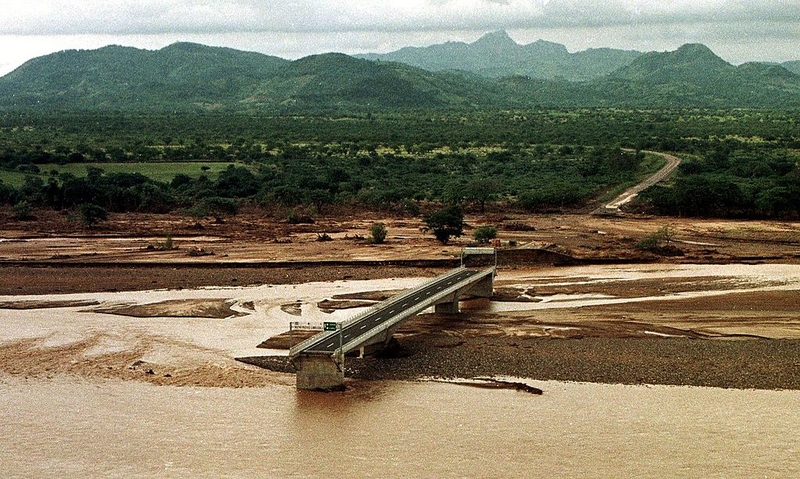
(65, 279)
(740, 364)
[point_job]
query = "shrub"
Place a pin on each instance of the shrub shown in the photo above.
(216, 207)
(296, 218)
(377, 233)
(91, 214)
(659, 243)
(23, 211)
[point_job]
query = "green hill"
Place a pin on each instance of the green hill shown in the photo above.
(180, 75)
(694, 76)
(793, 67)
(334, 80)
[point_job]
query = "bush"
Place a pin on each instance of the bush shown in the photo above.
(23, 211)
(660, 243)
(91, 214)
(299, 218)
(216, 207)
(377, 233)
(484, 234)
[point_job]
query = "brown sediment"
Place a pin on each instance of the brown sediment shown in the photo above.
(741, 364)
(701, 341)
(177, 308)
(127, 359)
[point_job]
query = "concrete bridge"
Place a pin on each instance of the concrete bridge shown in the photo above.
(319, 361)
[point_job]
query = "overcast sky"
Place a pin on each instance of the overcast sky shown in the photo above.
(737, 30)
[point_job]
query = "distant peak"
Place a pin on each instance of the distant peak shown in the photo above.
(694, 48)
(186, 46)
(543, 46)
(698, 51)
(498, 38)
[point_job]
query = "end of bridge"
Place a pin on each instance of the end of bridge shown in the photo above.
(318, 372)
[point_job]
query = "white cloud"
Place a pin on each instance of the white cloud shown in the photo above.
(740, 30)
(213, 16)
(24, 17)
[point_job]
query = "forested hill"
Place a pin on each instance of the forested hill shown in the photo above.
(191, 77)
(187, 76)
(793, 67)
(124, 77)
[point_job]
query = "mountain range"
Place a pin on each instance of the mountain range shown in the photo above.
(493, 72)
(497, 55)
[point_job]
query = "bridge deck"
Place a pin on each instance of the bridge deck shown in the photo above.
(370, 327)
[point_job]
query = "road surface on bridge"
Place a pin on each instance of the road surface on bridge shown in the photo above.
(330, 342)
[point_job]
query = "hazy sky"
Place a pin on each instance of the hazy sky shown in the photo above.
(737, 30)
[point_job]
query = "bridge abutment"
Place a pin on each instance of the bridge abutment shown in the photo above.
(318, 372)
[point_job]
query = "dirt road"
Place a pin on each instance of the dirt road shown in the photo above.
(628, 195)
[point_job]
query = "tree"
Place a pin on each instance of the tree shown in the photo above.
(482, 190)
(484, 234)
(445, 223)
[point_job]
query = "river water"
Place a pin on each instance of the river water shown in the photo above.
(67, 426)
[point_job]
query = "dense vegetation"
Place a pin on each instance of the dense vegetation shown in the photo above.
(739, 163)
(195, 78)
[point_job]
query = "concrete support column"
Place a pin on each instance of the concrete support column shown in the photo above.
(450, 307)
(483, 288)
(319, 372)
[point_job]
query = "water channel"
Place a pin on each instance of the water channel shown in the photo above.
(73, 426)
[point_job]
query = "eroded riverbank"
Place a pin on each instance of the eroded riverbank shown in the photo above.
(707, 325)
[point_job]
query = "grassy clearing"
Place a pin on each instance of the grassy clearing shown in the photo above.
(163, 172)
(12, 178)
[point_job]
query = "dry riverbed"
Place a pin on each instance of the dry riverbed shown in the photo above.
(68, 302)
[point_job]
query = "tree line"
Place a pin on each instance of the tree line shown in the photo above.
(738, 163)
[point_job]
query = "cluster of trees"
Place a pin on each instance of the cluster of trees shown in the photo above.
(734, 180)
(543, 178)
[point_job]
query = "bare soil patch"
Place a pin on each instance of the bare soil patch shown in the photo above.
(35, 304)
(195, 308)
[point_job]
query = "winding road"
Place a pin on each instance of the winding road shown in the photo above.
(628, 195)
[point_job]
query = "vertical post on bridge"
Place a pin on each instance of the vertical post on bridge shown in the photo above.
(340, 354)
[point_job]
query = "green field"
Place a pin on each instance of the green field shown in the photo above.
(163, 172)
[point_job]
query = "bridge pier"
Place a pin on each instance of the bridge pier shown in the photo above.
(319, 372)
(482, 289)
(450, 307)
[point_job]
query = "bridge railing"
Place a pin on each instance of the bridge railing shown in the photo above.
(415, 309)
(300, 347)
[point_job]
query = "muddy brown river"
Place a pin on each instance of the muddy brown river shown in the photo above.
(71, 421)
(68, 428)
